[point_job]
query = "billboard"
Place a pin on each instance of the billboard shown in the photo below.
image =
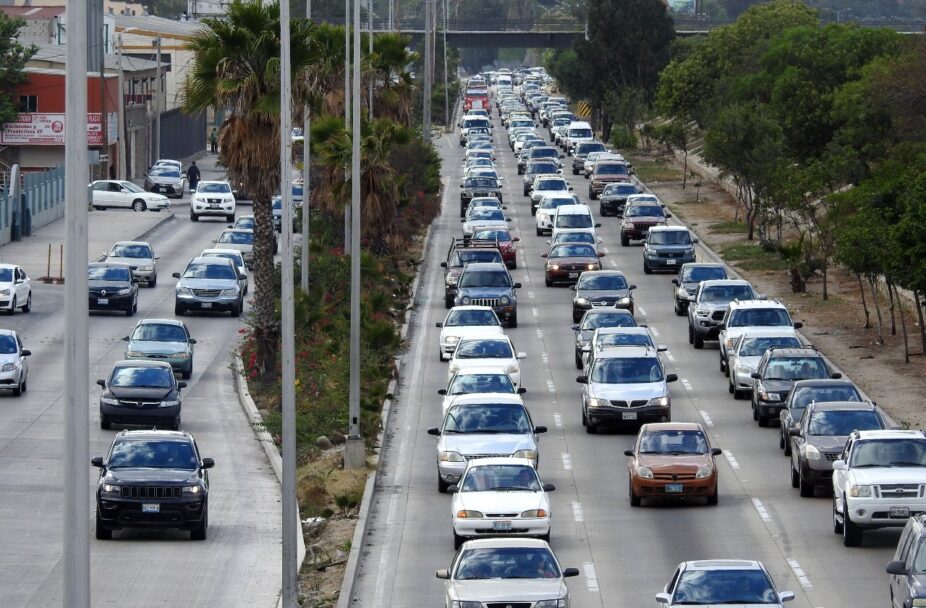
(34, 129)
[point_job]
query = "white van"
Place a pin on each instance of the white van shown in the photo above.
(574, 218)
(577, 132)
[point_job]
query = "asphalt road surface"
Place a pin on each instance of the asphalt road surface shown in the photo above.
(625, 554)
(239, 564)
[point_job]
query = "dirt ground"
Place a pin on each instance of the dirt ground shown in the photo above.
(836, 326)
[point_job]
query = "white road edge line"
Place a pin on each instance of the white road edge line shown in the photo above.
(591, 579)
(567, 461)
(760, 509)
(707, 418)
(577, 511)
(729, 456)
(535, 312)
(799, 573)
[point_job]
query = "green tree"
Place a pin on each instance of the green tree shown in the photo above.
(13, 58)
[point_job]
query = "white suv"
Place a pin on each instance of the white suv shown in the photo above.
(744, 315)
(213, 198)
(879, 482)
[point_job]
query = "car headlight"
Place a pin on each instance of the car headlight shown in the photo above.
(529, 454)
(744, 370)
(4, 292)
(625, 301)
(705, 470)
(560, 603)
(505, 300)
(450, 457)
(169, 403)
(554, 266)
(702, 312)
(860, 491)
(729, 342)
(124, 291)
(107, 489)
(196, 490)
(582, 301)
(659, 402)
(451, 279)
(468, 514)
(452, 339)
(681, 292)
(462, 604)
(644, 472)
(596, 402)
(184, 291)
(592, 266)
(230, 292)
(534, 513)
(465, 300)
(918, 602)
(9, 367)
(769, 396)
(628, 225)
(134, 354)
(109, 401)
(810, 452)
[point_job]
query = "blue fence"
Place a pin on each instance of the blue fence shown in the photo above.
(43, 197)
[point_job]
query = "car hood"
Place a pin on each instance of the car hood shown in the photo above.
(670, 248)
(9, 358)
(827, 443)
(750, 362)
(470, 225)
(158, 476)
(472, 331)
(485, 292)
(146, 346)
(628, 392)
(478, 443)
(500, 502)
(135, 262)
(603, 295)
(128, 392)
(666, 463)
(613, 197)
(242, 247)
(782, 387)
(645, 219)
(164, 179)
(611, 178)
(584, 260)
(538, 194)
(509, 590)
(114, 285)
(208, 283)
(888, 475)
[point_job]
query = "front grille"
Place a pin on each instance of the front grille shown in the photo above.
(718, 315)
(899, 490)
(493, 302)
(151, 491)
(508, 605)
(833, 457)
(634, 403)
(604, 302)
(158, 356)
(139, 404)
(207, 293)
(572, 267)
(503, 515)
(673, 476)
(478, 456)
(215, 201)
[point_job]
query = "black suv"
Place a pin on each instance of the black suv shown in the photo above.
(152, 479)
(582, 151)
(614, 196)
(689, 277)
(478, 186)
(778, 370)
(142, 392)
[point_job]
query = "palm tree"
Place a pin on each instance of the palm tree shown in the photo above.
(236, 67)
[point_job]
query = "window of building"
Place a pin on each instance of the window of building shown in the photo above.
(28, 103)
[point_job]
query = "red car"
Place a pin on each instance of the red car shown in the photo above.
(500, 238)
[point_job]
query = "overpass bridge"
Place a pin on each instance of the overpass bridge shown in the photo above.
(546, 32)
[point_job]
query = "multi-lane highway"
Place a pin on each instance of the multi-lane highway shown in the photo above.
(625, 554)
(239, 564)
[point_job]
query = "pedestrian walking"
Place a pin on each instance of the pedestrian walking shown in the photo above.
(193, 176)
(214, 141)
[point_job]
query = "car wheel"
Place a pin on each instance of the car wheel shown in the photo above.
(635, 501)
(592, 195)
(578, 357)
(698, 341)
(545, 537)
(236, 310)
(19, 388)
(575, 171)
(795, 477)
(440, 354)
(806, 489)
(442, 485)
(105, 424)
(625, 240)
(194, 217)
(28, 305)
(12, 310)
(178, 309)
(678, 310)
(102, 532)
(755, 411)
(647, 269)
(851, 534)
(690, 334)
(230, 218)
(730, 388)
(130, 310)
(714, 498)
(590, 428)
(539, 231)
(723, 367)
(787, 447)
(762, 420)
(448, 302)
(781, 438)
(175, 423)
(199, 532)
(837, 525)
(584, 418)
(458, 541)
(738, 394)
(513, 321)
(98, 207)
(548, 282)
(138, 205)
(154, 280)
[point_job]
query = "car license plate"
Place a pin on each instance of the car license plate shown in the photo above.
(900, 512)
(148, 508)
(102, 301)
(213, 205)
(773, 410)
(673, 488)
(573, 275)
(502, 526)
(206, 304)
(670, 262)
(629, 415)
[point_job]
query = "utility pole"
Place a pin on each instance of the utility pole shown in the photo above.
(121, 111)
(446, 90)
(355, 450)
(391, 15)
(347, 102)
(306, 183)
(76, 508)
(157, 106)
(370, 20)
(290, 583)
(426, 107)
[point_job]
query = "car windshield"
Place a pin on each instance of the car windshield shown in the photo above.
(209, 271)
(164, 172)
(669, 237)
(608, 319)
(109, 273)
(619, 189)
(544, 153)
(506, 562)
(483, 349)
(465, 257)
(644, 211)
(889, 452)
(485, 278)
(805, 395)
(243, 237)
(502, 236)
(245, 223)
(574, 250)
(466, 317)
(843, 422)
(580, 133)
(8, 345)
(759, 317)
(541, 168)
(236, 258)
(574, 220)
(6, 275)
(500, 478)
(550, 202)
(603, 282)
(157, 332)
(213, 188)
(796, 368)
(141, 377)
(131, 251)
(726, 293)
(131, 187)
(150, 454)
(626, 370)
(611, 169)
(551, 185)
(724, 586)
(574, 237)
(487, 214)
(466, 384)
(624, 340)
(696, 274)
(673, 442)
(756, 347)
(481, 182)
(588, 148)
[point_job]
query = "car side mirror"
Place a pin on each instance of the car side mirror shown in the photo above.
(439, 324)
(840, 465)
(716, 452)
(835, 375)
(434, 431)
(208, 463)
(462, 219)
(663, 598)
(632, 287)
(443, 573)
(101, 382)
(97, 461)
(507, 219)
(540, 429)
(755, 376)
(571, 188)
(675, 282)
(192, 340)
(543, 255)
(443, 264)
(441, 391)
(574, 288)
(693, 241)
(575, 327)
(562, 156)
(181, 385)
(582, 379)
(785, 596)
(517, 286)
(453, 489)
(125, 338)
(601, 255)
(798, 325)
(671, 377)
(628, 453)
(516, 239)
(794, 432)
(176, 275)
(722, 326)
(521, 390)
(549, 487)
(661, 348)
(26, 352)
(897, 568)
(762, 296)
(570, 572)
(668, 215)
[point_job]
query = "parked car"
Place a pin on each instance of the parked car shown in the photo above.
(139, 256)
(162, 340)
(14, 363)
(722, 582)
(464, 322)
(213, 198)
(142, 392)
(208, 285)
(168, 179)
(119, 194)
(15, 289)
(112, 287)
(152, 479)
(601, 288)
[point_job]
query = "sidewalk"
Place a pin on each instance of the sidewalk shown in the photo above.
(104, 229)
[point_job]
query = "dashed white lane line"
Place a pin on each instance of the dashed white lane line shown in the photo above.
(530, 294)
(654, 330)
(577, 511)
(591, 579)
(558, 421)
(760, 509)
(567, 461)
(613, 263)
(535, 312)
(539, 333)
(687, 384)
(729, 456)
(545, 359)
(642, 312)
(799, 573)
(550, 386)
(670, 357)
(707, 418)
(605, 250)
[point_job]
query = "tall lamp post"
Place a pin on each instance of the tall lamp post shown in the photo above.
(157, 106)
(306, 183)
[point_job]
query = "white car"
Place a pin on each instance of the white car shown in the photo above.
(15, 289)
(118, 194)
(235, 256)
(545, 185)
(477, 385)
(14, 367)
(466, 322)
(139, 256)
(722, 582)
(482, 352)
(506, 572)
(238, 239)
(614, 337)
(748, 348)
(547, 209)
(744, 315)
(486, 217)
(500, 497)
(213, 198)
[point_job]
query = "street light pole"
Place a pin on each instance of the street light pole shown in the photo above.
(306, 184)
(287, 307)
(370, 53)
(426, 102)
(446, 90)
(76, 431)
(157, 107)
(347, 102)
(121, 111)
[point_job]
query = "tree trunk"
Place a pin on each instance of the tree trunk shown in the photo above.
(861, 290)
(824, 271)
(874, 297)
(685, 174)
(919, 315)
(890, 295)
(605, 127)
(266, 326)
(903, 328)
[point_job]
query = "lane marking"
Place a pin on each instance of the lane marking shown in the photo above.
(729, 456)
(535, 312)
(550, 386)
(654, 330)
(687, 384)
(567, 461)
(670, 357)
(591, 579)
(540, 333)
(613, 262)
(707, 418)
(558, 421)
(577, 511)
(530, 294)
(545, 358)
(642, 311)
(799, 573)
(760, 508)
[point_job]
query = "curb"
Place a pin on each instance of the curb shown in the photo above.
(363, 516)
(170, 217)
(270, 448)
